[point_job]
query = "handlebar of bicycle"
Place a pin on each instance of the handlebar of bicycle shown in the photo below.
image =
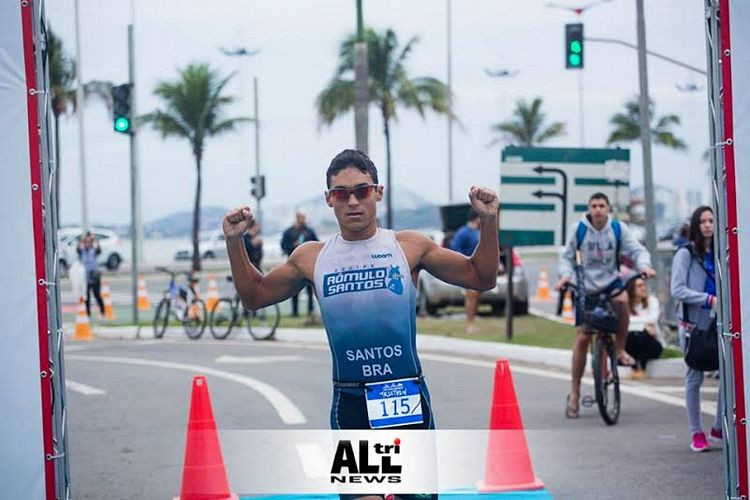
(188, 274)
(618, 290)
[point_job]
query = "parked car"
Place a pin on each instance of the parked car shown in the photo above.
(210, 246)
(69, 237)
(433, 293)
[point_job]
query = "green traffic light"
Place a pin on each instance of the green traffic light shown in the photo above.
(575, 47)
(122, 124)
(574, 60)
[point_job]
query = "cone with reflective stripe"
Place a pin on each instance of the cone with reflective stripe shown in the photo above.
(567, 310)
(203, 474)
(508, 466)
(83, 327)
(213, 293)
(109, 313)
(542, 286)
(143, 303)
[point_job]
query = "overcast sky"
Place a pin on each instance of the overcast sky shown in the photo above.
(299, 43)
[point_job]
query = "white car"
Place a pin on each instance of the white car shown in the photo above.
(210, 246)
(69, 237)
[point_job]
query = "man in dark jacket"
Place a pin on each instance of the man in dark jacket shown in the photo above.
(293, 237)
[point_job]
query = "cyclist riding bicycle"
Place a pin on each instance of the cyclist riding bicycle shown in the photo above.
(601, 240)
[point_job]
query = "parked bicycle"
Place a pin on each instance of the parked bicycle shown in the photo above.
(601, 319)
(229, 312)
(183, 304)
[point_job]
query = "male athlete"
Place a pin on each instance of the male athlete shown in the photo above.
(365, 281)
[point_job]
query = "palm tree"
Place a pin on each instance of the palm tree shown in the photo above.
(627, 126)
(194, 109)
(389, 86)
(527, 128)
(62, 74)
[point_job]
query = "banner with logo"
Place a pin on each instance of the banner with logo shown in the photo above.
(304, 462)
(25, 471)
(737, 154)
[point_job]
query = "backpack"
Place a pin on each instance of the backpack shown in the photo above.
(616, 228)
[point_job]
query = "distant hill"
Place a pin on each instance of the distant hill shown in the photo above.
(181, 223)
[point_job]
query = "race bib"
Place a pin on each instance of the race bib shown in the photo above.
(393, 403)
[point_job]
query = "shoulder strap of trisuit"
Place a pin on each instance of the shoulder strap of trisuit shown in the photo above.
(580, 234)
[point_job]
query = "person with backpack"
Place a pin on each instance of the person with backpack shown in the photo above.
(693, 283)
(601, 240)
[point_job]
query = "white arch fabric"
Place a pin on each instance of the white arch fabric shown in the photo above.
(22, 453)
(738, 179)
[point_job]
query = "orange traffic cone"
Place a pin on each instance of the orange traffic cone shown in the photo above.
(542, 286)
(213, 293)
(143, 303)
(83, 327)
(508, 465)
(203, 475)
(109, 313)
(567, 310)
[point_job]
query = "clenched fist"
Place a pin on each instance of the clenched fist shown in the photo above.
(484, 201)
(236, 222)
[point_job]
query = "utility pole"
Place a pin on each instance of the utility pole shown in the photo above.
(648, 176)
(361, 92)
(449, 29)
(135, 196)
(79, 111)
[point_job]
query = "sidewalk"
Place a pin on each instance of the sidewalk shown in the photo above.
(556, 358)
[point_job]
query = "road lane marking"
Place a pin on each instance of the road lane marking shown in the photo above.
(288, 412)
(313, 460)
(642, 391)
(84, 389)
(252, 360)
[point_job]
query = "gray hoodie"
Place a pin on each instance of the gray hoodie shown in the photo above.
(688, 280)
(598, 250)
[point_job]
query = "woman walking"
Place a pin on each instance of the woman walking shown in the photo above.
(694, 284)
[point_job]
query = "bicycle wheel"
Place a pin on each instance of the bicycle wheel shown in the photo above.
(161, 318)
(606, 380)
(262, 323)
(222, 319)
(195, 318)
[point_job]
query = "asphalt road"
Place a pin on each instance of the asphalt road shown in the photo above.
(127, 440)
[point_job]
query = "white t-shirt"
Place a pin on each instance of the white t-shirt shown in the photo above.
(646, 315)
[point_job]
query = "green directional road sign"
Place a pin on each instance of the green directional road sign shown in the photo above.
(536, 183)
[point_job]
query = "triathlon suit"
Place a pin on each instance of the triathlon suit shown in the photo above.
(368, 304)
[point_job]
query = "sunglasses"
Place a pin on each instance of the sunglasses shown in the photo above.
(343, 194)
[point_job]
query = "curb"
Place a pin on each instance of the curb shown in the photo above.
(557, 358)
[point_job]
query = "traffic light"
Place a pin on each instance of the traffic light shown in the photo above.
(259, 188)
(121, 108)
(574, 46)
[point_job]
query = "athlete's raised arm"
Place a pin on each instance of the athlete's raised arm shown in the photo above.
(255, 289)
(479, 271)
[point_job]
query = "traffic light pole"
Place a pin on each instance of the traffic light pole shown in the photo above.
(256, 121)
(135, 212)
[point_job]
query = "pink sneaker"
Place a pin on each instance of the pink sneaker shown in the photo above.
(715, 435)
(699, 442)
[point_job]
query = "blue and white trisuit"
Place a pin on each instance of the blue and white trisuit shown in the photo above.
(368, 304)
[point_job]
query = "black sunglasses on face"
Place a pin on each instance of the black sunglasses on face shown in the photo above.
(343, 194)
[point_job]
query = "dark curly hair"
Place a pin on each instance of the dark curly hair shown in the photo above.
(351, 158)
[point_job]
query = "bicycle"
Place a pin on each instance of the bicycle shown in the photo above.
(229, 311)
(183, 303)
(600, 318)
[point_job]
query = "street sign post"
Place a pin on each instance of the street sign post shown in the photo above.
(543, 190)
